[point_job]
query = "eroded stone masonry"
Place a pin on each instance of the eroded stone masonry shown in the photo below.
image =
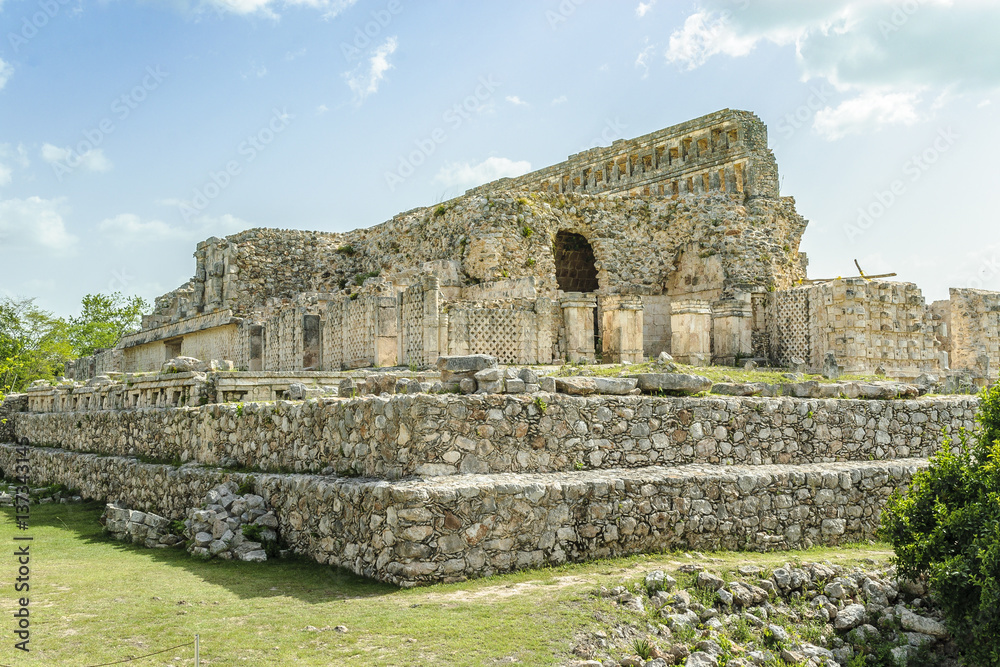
(476, 460)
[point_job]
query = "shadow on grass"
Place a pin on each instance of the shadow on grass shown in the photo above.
(296, 576)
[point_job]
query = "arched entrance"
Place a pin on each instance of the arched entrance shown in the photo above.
(576, 271)
(575, 268)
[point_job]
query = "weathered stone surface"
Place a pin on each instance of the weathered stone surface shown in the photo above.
(365, 435)
(922, 624)
(673, 383)
(471, 363)
(547, 505)
(849, 617)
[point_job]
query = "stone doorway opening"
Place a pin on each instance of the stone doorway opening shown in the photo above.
(575, 268)
(576, 271)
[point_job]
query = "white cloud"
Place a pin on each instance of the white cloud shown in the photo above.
(868, 111)
(331, 8)
(256, 71)
(516, 101)
(6, 70)
(562, 99)
(884, 55)
(490, 169)
(33, 224)
(642, 60)
(65, 160)
(364, 80)
(984, 104)
(644, 8)
(5, 174)
(127, 230)
(705, 35)
(322, 109)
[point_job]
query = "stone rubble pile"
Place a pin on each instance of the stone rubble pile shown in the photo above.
(192, 365)
(218, 529)
(150, 530)
(815, 389)
(759, 617)
(480, 374)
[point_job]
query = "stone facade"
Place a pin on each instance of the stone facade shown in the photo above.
(429, 435)
(451, 528)
(866, 324)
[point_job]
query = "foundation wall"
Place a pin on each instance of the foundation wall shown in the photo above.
(416, 532)
(439, 435)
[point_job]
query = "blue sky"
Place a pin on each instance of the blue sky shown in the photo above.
(131, 130)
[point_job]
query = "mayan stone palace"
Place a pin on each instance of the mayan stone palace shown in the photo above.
(416, 401)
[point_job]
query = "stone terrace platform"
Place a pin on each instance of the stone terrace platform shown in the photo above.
(424, 488)
(430, 530)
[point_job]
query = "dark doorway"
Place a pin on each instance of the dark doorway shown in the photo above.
(575, 269)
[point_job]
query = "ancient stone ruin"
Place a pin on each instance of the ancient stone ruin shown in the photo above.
(405, 374)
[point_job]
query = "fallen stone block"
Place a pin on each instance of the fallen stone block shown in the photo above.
(680, 383)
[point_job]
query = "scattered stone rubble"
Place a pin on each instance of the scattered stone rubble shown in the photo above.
(760, 617)
(219, 529)
(150, 530)
(38, 495)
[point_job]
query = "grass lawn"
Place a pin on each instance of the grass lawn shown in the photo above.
(713, 373)
(93, 600)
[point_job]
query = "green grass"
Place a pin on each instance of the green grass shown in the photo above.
(95, 600)
(713, 373)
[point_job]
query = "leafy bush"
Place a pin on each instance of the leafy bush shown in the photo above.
(945, 527)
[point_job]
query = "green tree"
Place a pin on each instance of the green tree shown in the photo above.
(947, 527)
(103, 320)
(34, 344)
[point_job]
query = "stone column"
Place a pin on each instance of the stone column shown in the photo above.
(732, 330)
(385, 331)
(691, 332)
(621, 336)
(543, 312)
(432, 321)
(578, 317)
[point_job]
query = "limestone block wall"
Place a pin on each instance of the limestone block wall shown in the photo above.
(974, 329)
(283, 339)
(724, 151)
(360, 332)
(865, 323)
(144, 358)
(448, 529)
(435, 435)
(511, 330)
(655, 324)
(219, 343)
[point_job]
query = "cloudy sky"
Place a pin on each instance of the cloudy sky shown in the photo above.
(130, 130)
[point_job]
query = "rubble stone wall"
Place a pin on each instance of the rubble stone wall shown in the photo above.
(448, 529)
(435, 435)
(11, 408)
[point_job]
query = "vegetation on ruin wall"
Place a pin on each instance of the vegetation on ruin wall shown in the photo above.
(95, 600)
(35, 344)
(945, 527)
